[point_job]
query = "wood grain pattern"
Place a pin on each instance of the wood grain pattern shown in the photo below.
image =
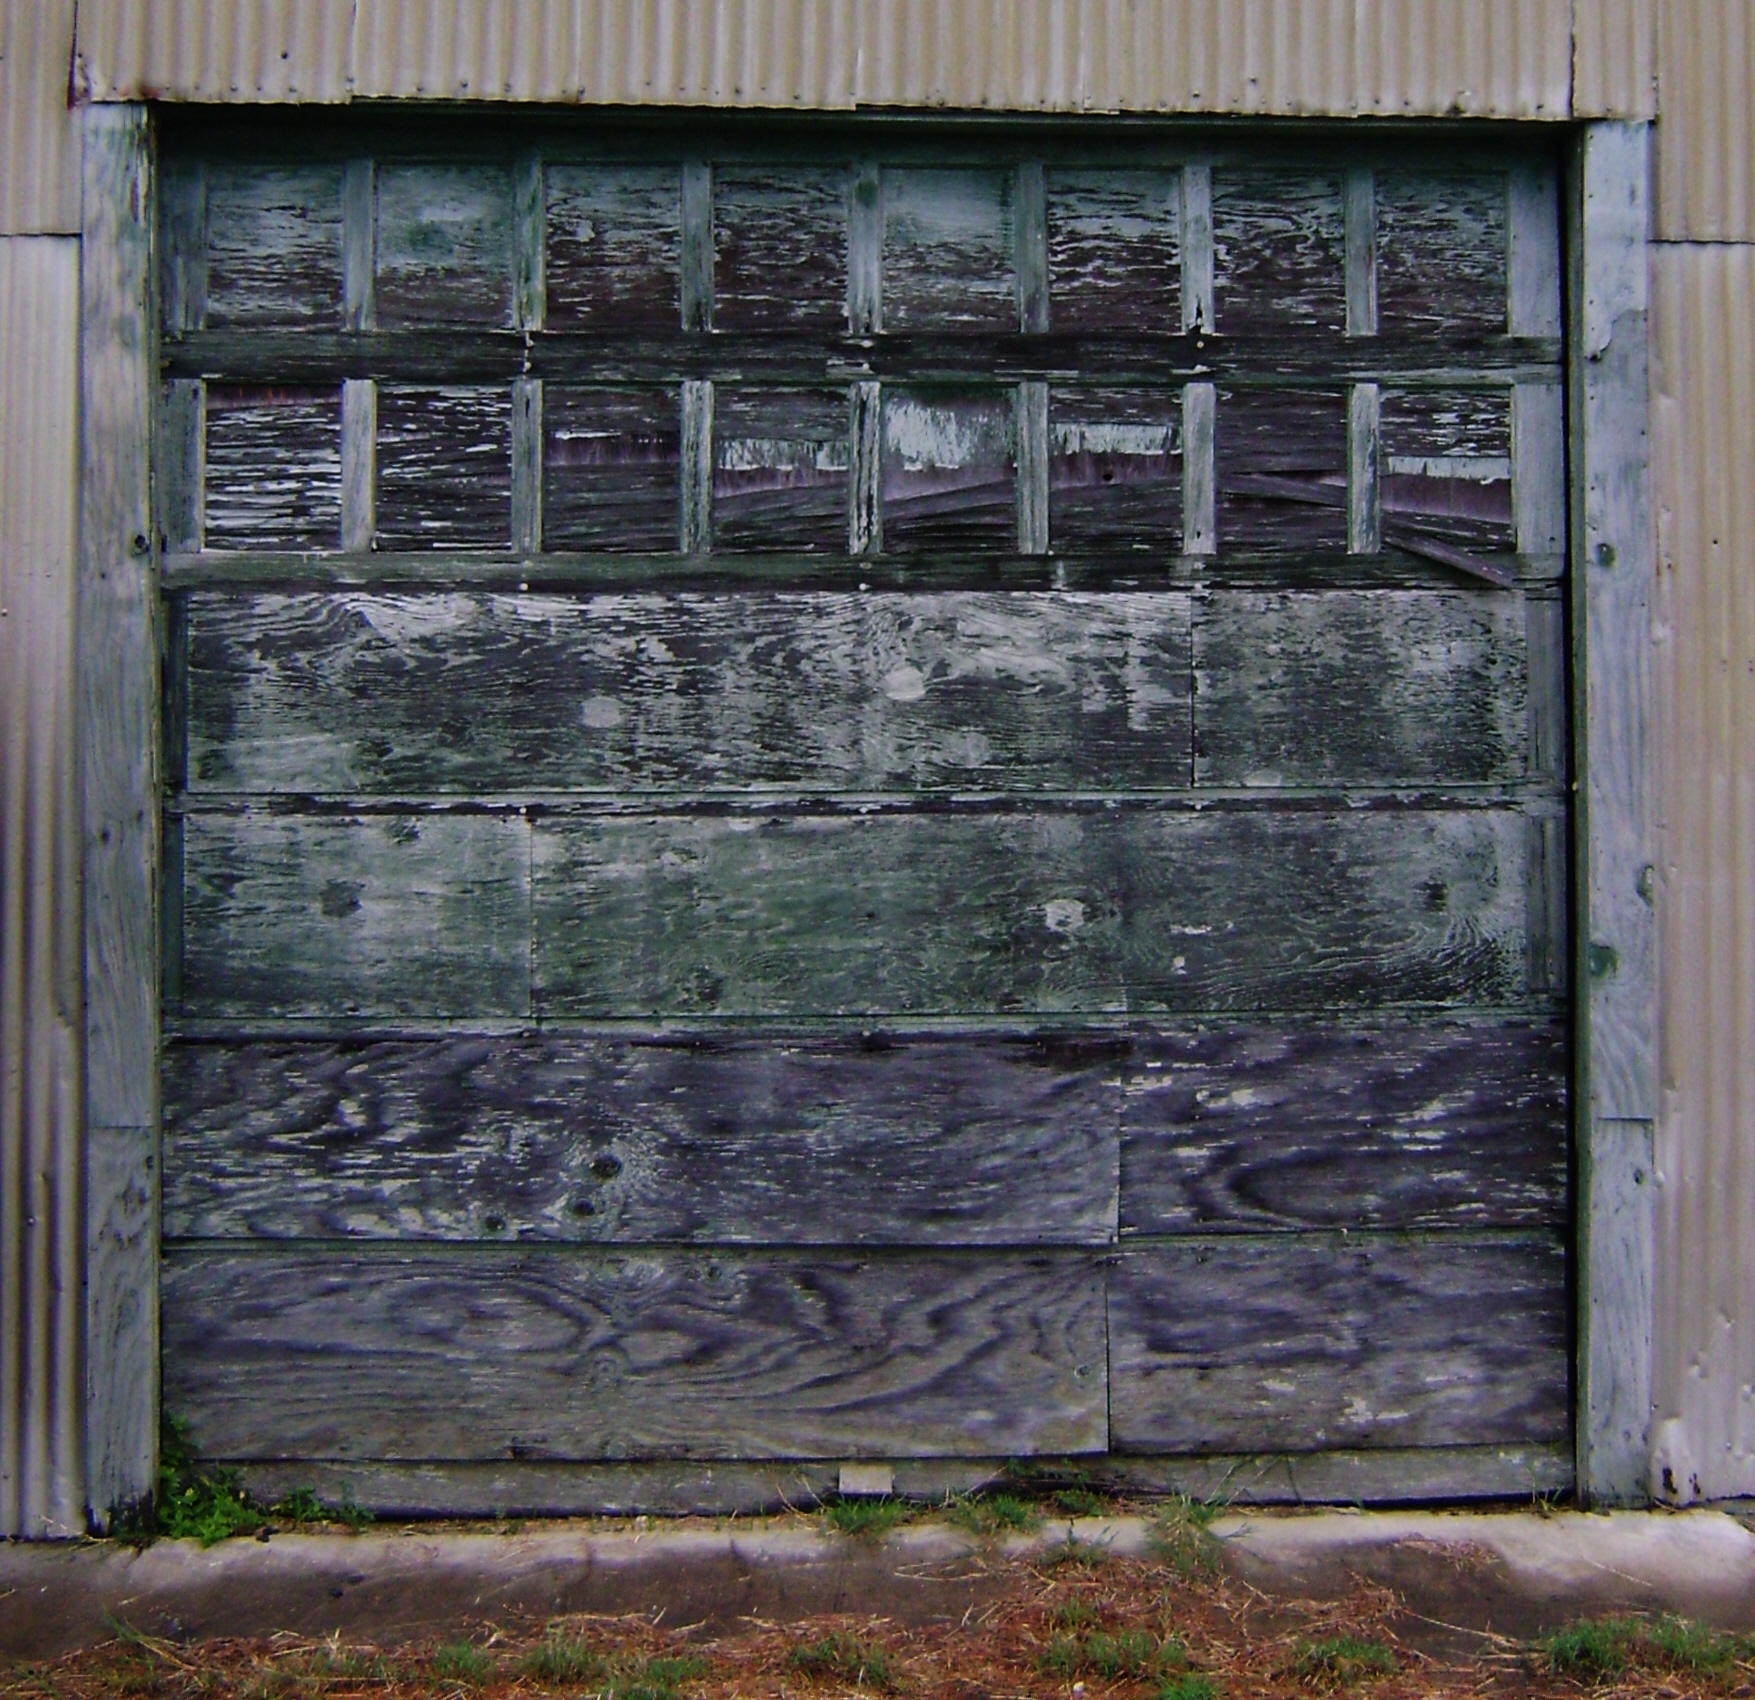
(1447, 465)
(1114, 470)
(121, 1317)
(1294, 438)
(780, 460)
(1300, 1127)
(444, 245)
(377, 915)
(1308, 1340)
(1090, 914)
(1441, 253)
(615, 247)
(117, 686)
(611, 468)
(273, 468)
(777, 1142)
(885, 692)
(1385, 686)
(949, 258)
(1279, 252)
(177, 471)
(1114, 240)
(949, 470)
(444, 467)
(781, 248)
(550, 1354)
(273, 246)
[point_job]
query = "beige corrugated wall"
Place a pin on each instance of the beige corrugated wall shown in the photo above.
(42, 1230)
(1690, 61)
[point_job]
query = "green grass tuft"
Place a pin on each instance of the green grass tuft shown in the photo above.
(871, 1517)
(1694, 1648)
(844, 1657)
(1190, 1685)
(991, 1513)
(560, 1661)
(457, 1661)
(1134, 1654)
(1591, 1650)
(656, 1679)
(1344, 1658)
(1182, 1535)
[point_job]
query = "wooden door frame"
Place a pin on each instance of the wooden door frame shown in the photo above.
(1614, 926)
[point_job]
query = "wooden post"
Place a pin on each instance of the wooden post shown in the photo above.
(1612, 567)
(118, 697)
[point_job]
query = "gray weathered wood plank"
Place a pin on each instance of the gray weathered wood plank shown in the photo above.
(882, 692)
(950, 468)
(274, 465)
(527, 465)
(359, 464)
(1114, 471)
(1364, 503)
(1279, 251)
(696, 454)
(444, 245)
(780, 241)
(865, 476)
(1306, 1341)
(1114, 250)
(949, 255)
(182, 257)
(1199, 528)
(1008, 913)
(780, 470)
(275, 250)
(444, 467)
(614, 247)
(1359, 196)
(1317, 1126)
(1441, 253)
(880, 1142)
(359, 245)
(611, 468)
(1197, 247)
(116, 646)
(178, 471)
(376, 915)
(1391, 686)
(557, 1354)
(695, 277)
(529, 244)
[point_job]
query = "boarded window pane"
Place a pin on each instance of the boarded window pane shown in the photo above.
(950, 471)
(273, 468)
(1446, 459)
(611, 469)
(1280, 459)
(948, 252)
(274, 247)
(1441, 254)
(781, 239)
(444, 468)
(444, 246)
(1115, 470)
(780, 470)
(1113, 239)
(1279, 252)
(614, 247)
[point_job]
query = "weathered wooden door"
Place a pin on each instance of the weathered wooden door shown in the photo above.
(861, 793)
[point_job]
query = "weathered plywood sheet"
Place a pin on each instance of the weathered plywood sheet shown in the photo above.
(380, 915)
(449, 693)
(873, 1142)
(657, 1354)
(1387, 686)
(1303, 1127)
(1051, 912)
(1311, 1341)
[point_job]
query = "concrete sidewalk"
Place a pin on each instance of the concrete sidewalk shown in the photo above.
(1462, 1574)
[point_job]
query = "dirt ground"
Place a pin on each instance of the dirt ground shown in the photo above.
(1074, 1624)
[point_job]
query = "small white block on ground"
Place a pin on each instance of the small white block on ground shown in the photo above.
(867, 1481)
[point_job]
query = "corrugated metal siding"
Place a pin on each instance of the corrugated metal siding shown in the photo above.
(42, 1231)
(1614, 59)
(39, 157)
(1706, 140)
(214, 49)
(1489, 58)
(1703, 391)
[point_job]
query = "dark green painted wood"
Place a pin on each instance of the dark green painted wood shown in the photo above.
(1051, 912)
(1309, 1341)
(383, 915)
(907, 1142)
(561, 1354)
(1312, 1126)
(1367, 686)
(877, 693)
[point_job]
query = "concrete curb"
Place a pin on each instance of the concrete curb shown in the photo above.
(1508, 1574)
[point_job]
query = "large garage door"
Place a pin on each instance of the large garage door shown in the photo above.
(861, 793)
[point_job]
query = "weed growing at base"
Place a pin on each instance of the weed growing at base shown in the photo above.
(866, 1516)
(844, 1657)
(1344, 1659)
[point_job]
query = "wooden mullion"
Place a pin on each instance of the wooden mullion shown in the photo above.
(696, 525)
(1359, 195)
(1364, 505)
(529, 244)
(1197, 249)
(119, 708)
(179, 481)
(1199, 526)
(527, 465)
(359, 463)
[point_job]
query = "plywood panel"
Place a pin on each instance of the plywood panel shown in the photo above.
(789, 1142)
(675, 693)
(660, 1354)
